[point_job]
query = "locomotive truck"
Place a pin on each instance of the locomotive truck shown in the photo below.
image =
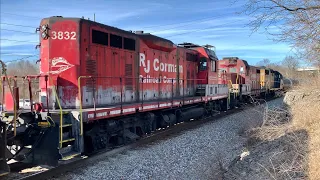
(100, 86)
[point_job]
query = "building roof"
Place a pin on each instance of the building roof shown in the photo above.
(308, 69)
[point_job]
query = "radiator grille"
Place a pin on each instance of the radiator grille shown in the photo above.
(91, 70)
(128, 74)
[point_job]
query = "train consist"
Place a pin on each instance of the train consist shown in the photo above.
(100, 86)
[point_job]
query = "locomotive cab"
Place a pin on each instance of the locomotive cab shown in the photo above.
(207, 74)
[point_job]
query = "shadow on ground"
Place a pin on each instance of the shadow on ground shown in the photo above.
(282, 158)
(274, 150)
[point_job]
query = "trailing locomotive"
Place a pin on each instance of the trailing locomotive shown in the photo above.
(100, 86)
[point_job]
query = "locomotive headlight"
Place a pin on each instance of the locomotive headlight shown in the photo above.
(43, 35)
(43, 27)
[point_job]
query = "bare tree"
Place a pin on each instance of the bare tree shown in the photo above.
(20, 69)
(298, 21)
(291, 64)
(264, 62)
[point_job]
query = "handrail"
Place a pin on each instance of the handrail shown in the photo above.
(60, 110)
(29, 77)
(80, 99)
(120, 78)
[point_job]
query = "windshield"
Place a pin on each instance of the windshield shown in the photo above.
(211, 54)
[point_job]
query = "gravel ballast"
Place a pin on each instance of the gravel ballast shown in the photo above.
(193, 154)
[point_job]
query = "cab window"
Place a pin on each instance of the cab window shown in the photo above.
(203, 64)
(213, 66)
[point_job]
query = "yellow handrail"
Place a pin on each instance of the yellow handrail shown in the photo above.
(80, 99)
(60, 110)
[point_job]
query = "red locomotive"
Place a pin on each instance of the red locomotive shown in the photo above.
(101, 86)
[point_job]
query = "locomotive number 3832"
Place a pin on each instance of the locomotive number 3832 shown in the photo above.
(66, 35)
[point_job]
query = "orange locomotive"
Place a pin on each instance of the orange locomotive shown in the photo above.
(101, 86)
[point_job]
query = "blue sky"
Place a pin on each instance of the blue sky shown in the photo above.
(200, 22)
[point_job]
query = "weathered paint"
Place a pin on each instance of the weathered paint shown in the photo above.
(156, 70)
(60, 59)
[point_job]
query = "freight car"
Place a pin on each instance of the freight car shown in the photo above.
(100, 86)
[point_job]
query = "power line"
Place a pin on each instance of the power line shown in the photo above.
(11, 30)
(202, 29)
(19, 25)
(191, 22)
(20, 15)
(20, 59)
(14, 54)
(195, 20)
(17, 40)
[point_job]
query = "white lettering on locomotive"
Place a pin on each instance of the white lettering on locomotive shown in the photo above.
(155, 61)
(143, 64)
(154, 80)
(101, 114)
(66, 35)
(157, 65)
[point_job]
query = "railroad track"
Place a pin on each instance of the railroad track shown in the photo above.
(159, 135)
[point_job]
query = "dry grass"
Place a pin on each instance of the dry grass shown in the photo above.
(308, 83)
(275, 124)
(303, 115)
(287, 144)
(306, 116)
(287, 157)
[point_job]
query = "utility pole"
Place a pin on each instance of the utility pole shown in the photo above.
(94, 17)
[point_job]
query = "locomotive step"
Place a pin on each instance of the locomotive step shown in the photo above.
(66, 125)
(3, 173)
(68, 153)
(68, 140)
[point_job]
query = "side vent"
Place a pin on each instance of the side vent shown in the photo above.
(129, 80)
(91, 70)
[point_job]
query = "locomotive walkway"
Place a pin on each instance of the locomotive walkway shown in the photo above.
(194, 154)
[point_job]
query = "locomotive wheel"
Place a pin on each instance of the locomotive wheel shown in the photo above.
(173, 119)
(151, 126)
(178, 116)
(164, 121)
(168, 120)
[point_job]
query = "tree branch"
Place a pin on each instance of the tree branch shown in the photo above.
(295, 9)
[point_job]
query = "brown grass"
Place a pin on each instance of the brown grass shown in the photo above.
(308, 83)
(287, 144)
(275, 124)
(306, 116)
(289, 159)
(303, 114)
